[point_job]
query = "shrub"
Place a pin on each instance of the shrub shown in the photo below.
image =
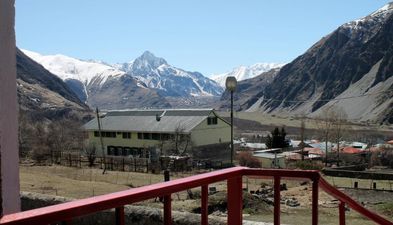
(246, 159)
(308, 165)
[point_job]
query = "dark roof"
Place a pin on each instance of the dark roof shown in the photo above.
(168, 112)
(146, 120)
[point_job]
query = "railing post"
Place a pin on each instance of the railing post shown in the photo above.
(277, 200)
(204, 205)
(167, 210)
(341, 208)
(119, 215)
(235, 201)
(315, 201)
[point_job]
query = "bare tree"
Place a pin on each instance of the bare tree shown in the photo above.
(339, 118)
(25, 133)
(91, 153)
(324, 122)
(333, 124)
(64, 135)
(39, 147)
(180, 140)
(302, 144)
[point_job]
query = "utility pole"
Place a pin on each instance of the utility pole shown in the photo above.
(302, 137)
(230, 84)
(101, 141)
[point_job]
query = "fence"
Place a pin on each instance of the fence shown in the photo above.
(132, 164)
(118, 163)
(126, 164)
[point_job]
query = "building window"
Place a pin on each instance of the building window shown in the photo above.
(147, 136)
(109, 134)
(155, 136)
(211, 120)
(105, 134)
(127, 151)
(126, 135)
(119, 151)
(165, 136)
(111, 150)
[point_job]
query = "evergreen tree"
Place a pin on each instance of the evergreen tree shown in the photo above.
(277, 140)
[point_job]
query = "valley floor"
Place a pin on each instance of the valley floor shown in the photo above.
(268, 122)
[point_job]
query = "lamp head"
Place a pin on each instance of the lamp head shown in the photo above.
(231, 83)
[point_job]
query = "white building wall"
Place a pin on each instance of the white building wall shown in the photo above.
(205, 134)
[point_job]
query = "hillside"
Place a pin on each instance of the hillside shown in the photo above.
(351, 68)
(247, 91)
(43, 95)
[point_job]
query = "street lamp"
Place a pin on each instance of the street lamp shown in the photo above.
(230, 84)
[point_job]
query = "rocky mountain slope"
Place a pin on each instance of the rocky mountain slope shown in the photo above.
(43, 95)
(245, 72)
(351, 68)
(148, 81)
(156, 73)
(247, 91)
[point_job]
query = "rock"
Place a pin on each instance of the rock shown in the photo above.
(292, 202)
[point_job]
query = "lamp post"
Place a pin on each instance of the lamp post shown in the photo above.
(230, 84)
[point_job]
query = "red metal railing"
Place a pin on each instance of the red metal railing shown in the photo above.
(67, 211)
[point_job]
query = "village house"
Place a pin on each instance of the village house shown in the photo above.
(271, 160)
(200, 133)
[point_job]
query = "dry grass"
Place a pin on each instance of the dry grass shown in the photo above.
(82, 183)
(362, 183)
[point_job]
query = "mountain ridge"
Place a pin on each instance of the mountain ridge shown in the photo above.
(245, 72)
(333, 65)
(88, 78)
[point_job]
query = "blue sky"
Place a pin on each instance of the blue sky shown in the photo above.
(210, 36)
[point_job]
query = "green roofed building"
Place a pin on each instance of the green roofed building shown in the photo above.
(197, 132)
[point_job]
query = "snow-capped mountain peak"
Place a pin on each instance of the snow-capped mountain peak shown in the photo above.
(156, 73)
(68, 68)
(148, 61)
(384, 11)
(245, 72)
(376, 17)
(363, 29)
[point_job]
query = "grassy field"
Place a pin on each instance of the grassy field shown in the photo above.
(362, 183)
(82, 183)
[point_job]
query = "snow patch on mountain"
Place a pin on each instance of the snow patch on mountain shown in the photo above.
(67, 68)
(376, 17)
(244, 72)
